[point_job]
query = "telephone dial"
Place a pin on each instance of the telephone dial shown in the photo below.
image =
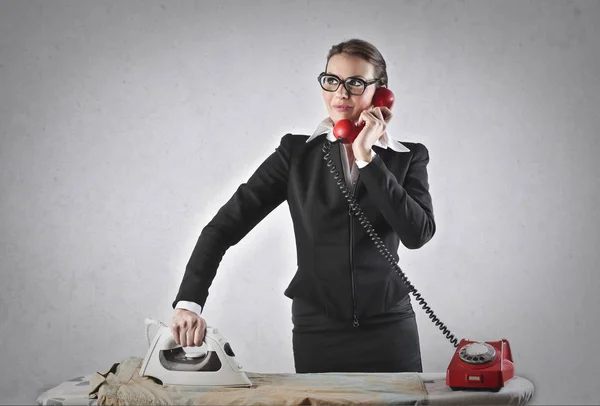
(475, 365)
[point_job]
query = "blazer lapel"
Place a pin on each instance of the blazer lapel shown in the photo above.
(330, 193)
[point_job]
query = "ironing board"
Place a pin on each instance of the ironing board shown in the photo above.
(329, 388)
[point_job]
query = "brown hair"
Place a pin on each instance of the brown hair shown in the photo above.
(364, 50)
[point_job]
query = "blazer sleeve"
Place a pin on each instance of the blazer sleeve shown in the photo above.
(252, 201)
(407, 208)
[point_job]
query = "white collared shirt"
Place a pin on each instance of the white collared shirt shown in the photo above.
(386, 141)
(350, 173)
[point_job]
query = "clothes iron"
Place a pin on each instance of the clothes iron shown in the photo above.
(211, 364)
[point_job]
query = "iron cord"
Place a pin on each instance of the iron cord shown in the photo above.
(149, 322)
(357, 211)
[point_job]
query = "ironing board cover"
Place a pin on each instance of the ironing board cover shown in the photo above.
(121, 385)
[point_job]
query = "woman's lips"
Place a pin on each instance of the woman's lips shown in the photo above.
(342, 108)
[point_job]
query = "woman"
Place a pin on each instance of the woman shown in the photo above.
(350, 311)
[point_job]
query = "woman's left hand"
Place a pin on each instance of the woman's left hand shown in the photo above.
(376, 120)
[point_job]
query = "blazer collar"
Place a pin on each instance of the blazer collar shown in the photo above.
(326, 127)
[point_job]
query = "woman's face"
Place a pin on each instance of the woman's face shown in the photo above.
(340, 104)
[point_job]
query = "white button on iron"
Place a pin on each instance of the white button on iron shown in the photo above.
(195, 352)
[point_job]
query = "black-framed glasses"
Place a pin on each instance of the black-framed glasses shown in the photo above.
(353, 85)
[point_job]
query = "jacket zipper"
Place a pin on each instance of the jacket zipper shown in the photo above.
(355, 319)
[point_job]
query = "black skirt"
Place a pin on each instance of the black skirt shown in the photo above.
(385, 343)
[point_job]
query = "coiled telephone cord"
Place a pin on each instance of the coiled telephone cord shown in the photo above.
(357, 211)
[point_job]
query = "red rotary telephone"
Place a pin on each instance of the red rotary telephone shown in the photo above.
(475, 365)
(480, 365)
(348, 131)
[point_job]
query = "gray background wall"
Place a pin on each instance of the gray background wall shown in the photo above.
(114, 116)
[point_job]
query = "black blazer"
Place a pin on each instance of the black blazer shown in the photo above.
(339, 267)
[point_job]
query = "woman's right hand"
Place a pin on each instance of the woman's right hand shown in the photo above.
(188, 328)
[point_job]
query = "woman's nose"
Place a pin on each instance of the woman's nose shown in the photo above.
(341, 91)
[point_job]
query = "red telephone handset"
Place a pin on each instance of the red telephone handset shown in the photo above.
(480, 365)
(348, 131)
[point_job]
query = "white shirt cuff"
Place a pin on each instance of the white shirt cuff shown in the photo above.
(362, 164)
(191, 306)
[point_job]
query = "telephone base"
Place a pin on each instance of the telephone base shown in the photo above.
(483, 366)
